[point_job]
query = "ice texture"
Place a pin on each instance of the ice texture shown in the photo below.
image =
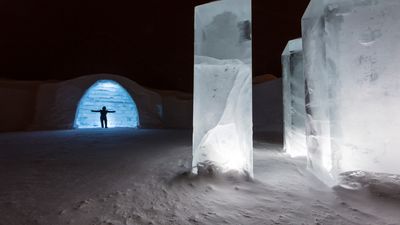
(223, 30)
(112, 95)
(294, 99)
(222, 123)
(352, 55)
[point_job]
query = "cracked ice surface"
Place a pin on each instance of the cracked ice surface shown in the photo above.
(294, 99)
(222, 123)
(352, 67)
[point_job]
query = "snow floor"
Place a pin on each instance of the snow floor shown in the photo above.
(128, 176)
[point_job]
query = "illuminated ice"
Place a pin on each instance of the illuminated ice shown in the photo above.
(294, 99)
(222, 136)
(352, 55)
(112, 95)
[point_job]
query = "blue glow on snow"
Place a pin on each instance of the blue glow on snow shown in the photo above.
(112, 95)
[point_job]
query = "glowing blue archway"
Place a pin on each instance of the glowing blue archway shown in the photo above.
(112, 95)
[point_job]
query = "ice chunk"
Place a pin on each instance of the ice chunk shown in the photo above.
(294, 99)
(222, 123)
(351, 55)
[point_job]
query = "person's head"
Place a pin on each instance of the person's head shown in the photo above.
(104, 108)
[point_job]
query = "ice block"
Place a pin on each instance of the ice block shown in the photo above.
(222, 120)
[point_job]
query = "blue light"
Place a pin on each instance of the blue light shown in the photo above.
(112, 95)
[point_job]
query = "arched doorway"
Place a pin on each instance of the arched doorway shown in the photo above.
(112, 95)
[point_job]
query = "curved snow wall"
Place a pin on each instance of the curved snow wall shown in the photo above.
(177, 109)
(57, 103)
(18, 99)
(109, 94)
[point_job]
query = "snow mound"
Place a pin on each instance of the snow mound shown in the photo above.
(17, 104)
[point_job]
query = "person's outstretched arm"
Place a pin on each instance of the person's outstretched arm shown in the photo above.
(112, 111)
(95, 110)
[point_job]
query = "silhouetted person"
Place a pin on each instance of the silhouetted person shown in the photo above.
(103, 116)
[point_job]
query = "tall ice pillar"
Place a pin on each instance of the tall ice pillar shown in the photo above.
(352, 71)
(222, 120)
(294, 110)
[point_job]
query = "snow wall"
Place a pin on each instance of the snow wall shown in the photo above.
(351, 63)
(56, 103)
(17, 104)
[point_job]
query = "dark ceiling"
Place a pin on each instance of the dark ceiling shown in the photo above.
(149, 41)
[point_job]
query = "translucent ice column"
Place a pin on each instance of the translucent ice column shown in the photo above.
(352, 71)
(294, 99)
(222, 123)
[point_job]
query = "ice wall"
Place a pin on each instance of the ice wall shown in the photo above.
(222, 123)
(112, 95)
(352, 55)
(294, 99)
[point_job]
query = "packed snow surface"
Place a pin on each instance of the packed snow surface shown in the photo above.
(128, 176)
